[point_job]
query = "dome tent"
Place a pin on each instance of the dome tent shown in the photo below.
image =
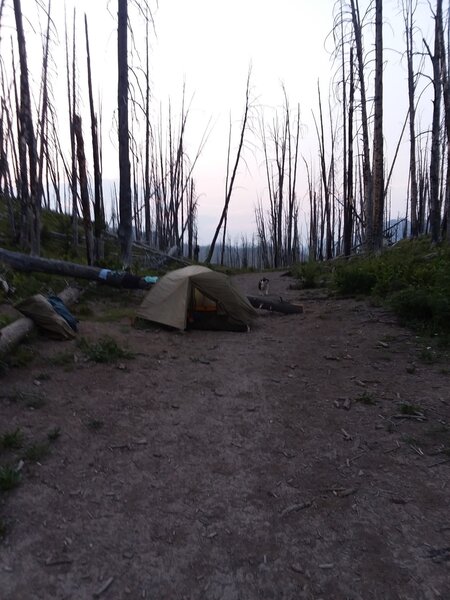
(197, 297)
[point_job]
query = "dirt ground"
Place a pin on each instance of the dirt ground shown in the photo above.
(306, 459)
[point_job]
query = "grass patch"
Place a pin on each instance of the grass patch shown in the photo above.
(3, 529)
(9, 478)
(36, 452)
(30, 399)
(429, 356)
(410, 439)
(11, 440)
(105, 350)
(411, 409)
(54, 434)
(43, 377)
(95, 424)
(5, 320)
(62, 359)
(83, 310)
(366, 399)
(116, 314)
(34, 401)
(22, 356)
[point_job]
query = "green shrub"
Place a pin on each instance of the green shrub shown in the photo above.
(308, 274)
(11, 439)
(354, 280)
(9, 478)
(412, 278)
(36, 452)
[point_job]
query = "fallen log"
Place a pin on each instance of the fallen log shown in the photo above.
(278, 305)
(24, 262)
(14, 333)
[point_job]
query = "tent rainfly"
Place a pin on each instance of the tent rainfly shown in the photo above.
(197, 297)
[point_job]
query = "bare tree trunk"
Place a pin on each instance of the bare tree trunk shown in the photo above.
(71, 98)
(408, 13)
(125, 208)
(229, 190)
(325, 183)
(147, 139)
(378, 155)
(28, 139)
(98, 194)
(84, 192)
(367, 174)
(435, 157)
(43, 139)
(446, 95)
(348, 191)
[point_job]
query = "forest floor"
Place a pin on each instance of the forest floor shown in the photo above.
(306, 459)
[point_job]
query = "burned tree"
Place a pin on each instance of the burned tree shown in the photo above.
(125, 208)
(230, 183)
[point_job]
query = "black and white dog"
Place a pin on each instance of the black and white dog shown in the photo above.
(263, 286)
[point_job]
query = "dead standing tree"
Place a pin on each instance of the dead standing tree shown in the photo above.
(43, 132)
(125, 208)
(378, 157)
(280, 149)
(325, 183)
(99, 212)
(366, 167)
(445, 64)
(84, 191)
(409, 7)
(435, 156)
(30, 219)
(71, 98)
(230, 183)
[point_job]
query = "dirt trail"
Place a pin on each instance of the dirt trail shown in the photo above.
(276, 464)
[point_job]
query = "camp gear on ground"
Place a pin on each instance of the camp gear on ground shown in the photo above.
(39, 309)
(62, 310)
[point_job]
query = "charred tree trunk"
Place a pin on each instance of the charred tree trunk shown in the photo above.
(229, 190)
(378, 155)
(409, 25)
(84, 191)
(28, 143)
(71, 98)
(98, 194)
(125, 207)
(348, 191)
(325, 184)
(367, 172)
(435, 157)
(147, 212)
(43, 128)
(446, 95)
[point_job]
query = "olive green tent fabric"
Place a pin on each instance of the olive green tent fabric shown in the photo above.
(168, 302)
(39, 309)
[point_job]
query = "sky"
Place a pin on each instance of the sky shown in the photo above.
(209, 45)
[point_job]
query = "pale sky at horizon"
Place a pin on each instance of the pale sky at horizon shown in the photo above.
(209, 45)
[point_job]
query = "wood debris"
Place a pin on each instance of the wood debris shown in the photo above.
(295, 508)
(102, 589)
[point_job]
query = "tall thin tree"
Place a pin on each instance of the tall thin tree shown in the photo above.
(125, 208)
